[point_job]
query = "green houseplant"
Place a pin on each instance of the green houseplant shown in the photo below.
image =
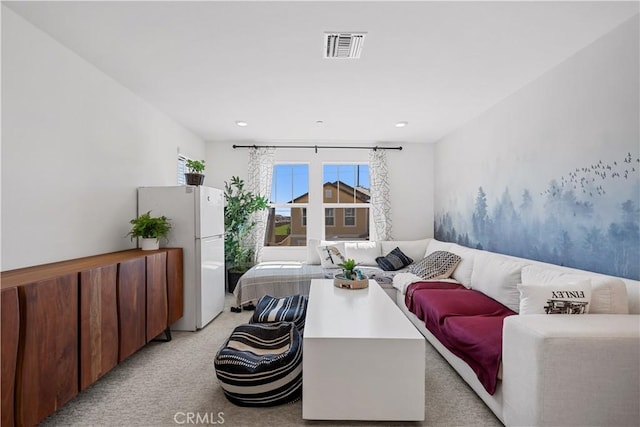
(348, 267)
(194, 175)
(240, 205)
(350, 278)
(150, 230)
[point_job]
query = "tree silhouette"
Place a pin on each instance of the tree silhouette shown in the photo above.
(480, 218)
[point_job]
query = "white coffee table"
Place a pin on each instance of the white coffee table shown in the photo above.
(362, 358)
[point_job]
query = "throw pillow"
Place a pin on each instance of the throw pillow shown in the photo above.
(394, 260)
(567, 298)
(330, 256)
(438, 265)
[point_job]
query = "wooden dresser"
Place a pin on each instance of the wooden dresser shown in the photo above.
(66, 324)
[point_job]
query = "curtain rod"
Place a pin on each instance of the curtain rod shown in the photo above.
(375, 148)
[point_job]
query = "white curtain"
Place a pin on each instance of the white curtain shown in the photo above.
(380, 203)
(259, 182)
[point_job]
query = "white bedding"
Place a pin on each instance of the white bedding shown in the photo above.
(283, 278)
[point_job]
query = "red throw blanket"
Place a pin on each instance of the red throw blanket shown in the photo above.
(465, 321)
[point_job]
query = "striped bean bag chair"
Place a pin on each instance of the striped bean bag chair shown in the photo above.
(290, 309)
(261, 364)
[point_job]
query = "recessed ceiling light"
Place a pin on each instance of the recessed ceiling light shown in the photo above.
(319, 122)
(401, 124)
(241, 123)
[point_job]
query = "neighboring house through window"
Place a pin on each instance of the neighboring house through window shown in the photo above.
(346, 201)
(343, 203)
(287, 220)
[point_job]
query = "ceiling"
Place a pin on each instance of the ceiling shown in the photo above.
(435, 65)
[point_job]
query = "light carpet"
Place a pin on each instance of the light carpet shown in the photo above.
(174, 383)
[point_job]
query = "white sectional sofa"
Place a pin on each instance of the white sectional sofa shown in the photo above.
(557, 369)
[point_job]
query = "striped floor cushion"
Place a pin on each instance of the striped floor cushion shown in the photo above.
(286, 309)
(261, 364)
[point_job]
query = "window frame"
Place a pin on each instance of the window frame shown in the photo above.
(182, 169)
(342, 205)
(291, 206)
(332, 216)
(345, 216)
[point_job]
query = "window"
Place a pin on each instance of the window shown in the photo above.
(329, 217)
(346, 200)
(182, 169)
(287, 221)
(349, 217)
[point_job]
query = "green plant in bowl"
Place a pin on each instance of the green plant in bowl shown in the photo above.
(348, 268)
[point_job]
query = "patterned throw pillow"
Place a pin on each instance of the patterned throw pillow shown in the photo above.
(330, 256)
(438, 265)
(394, 260)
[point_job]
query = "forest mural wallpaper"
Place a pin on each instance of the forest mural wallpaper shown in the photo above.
(552, 172)
(587, 218)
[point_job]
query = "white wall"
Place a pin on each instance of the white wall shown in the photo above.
(75, 146)
(570, 125)
(410, 174)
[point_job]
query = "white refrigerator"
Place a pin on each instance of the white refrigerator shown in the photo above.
(196, 214)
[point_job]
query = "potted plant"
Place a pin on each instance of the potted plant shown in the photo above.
(150, 230)
(240, 205)
(350, 278)
(194, 175)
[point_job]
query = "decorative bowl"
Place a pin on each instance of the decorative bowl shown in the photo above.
(339, 281)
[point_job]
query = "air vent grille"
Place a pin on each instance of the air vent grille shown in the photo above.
(343, 45)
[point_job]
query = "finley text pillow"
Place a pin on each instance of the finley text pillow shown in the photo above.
(394, 260)
(330, 256)
(438, 265)
(568, 298)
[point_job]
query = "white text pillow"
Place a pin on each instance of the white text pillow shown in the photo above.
(568, 298)
(608, 294)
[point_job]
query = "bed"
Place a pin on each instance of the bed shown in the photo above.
(283, 278)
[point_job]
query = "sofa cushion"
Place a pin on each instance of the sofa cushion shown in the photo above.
(555, 298)
(497, 276)
(363, 253)
(608, 294)
(437, 245)
(438, 265)
(463, 271)
(312, 251)
(394, 260)
(414, 249)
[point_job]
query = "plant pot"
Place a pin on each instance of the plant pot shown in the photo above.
(339, 281)
(194, 178)
(232, 279)
(150, 244)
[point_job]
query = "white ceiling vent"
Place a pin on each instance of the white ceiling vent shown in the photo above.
(343, 45)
